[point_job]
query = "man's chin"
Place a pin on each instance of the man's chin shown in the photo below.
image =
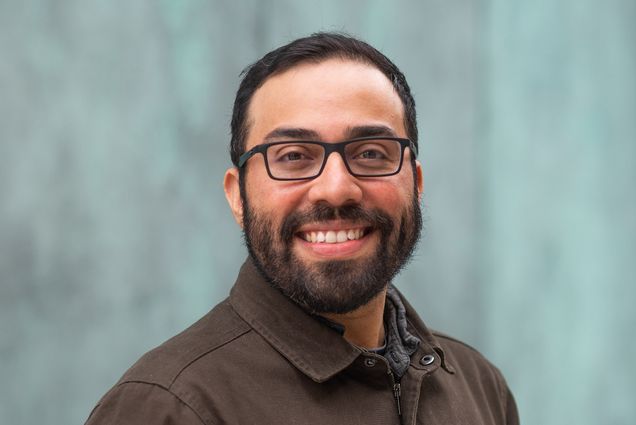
(330, 277)
(332, 286)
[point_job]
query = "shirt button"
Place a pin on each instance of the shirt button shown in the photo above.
(427, 359)
(369, 362)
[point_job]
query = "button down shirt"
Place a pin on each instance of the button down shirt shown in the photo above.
(259, 358)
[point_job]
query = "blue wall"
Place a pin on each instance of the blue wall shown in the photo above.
(115, 234)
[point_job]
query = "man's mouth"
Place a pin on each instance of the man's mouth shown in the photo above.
(333, 236)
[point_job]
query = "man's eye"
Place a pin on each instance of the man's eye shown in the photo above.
(371, 154)
(293, 156)
(369, 151)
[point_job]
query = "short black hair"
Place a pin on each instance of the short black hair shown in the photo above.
(314, 48)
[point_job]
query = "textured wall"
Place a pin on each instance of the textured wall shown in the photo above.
(114, 232)
(559, 219)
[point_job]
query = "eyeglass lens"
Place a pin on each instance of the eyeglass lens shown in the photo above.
(296, 160)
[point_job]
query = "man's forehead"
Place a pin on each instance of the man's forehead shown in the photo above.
(353, 95)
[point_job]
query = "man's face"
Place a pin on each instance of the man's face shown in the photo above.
(333, 243)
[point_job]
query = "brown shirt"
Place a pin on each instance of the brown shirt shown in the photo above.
(257, 358)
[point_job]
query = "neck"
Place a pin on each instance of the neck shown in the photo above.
(364, 327)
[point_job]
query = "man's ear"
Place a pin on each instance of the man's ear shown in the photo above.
(233, 194)
(419, 179)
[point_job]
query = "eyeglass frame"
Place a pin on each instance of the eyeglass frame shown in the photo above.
(329, 148)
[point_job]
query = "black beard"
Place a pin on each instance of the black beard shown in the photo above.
(338, 286)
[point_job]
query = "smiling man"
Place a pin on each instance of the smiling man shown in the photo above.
(326, 186)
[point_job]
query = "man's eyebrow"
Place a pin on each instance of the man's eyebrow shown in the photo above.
(370, 131)
(292, 133)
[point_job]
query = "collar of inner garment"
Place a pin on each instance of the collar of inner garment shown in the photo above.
(400, 344)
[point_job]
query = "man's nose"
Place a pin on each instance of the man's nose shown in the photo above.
(335, 185)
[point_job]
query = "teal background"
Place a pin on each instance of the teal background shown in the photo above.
(115, 234)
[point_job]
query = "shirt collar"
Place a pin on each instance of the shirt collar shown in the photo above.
(317, 350)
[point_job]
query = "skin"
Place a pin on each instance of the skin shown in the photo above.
(330, 99)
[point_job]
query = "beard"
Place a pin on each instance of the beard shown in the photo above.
(331, 286)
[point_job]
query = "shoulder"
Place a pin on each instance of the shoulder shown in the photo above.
(132, 403)
(466, 359)
(457, 355)
(475, 371)
(459, 348)
(164, 364)
(151, 390)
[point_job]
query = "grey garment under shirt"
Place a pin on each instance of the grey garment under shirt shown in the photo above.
(399, 343)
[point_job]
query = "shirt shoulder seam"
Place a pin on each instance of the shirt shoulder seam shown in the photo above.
(211, 349)
(498, 375)
(176, 396)
(168, 380)
(450, 338)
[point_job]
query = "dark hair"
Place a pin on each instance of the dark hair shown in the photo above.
(315, 48)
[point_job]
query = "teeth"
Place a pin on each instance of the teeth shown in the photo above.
(332, 236)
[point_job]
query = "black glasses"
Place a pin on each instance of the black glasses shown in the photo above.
(303, 160)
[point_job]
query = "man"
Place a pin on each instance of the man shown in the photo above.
(326, 187)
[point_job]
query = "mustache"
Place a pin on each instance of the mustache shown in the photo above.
(323, 212)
